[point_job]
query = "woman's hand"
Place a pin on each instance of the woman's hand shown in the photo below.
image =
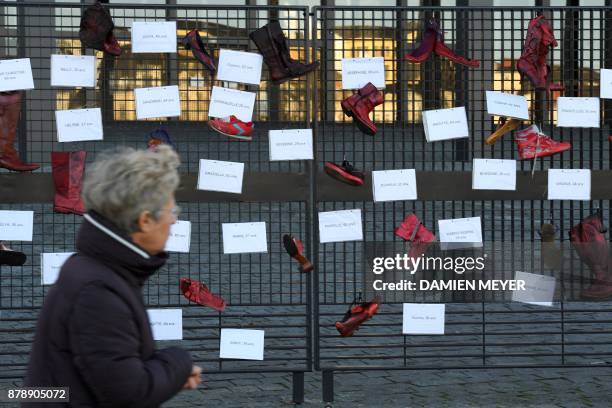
(194, 378)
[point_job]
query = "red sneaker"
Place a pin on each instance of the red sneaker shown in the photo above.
(199, 293)
(345, 173)
(232, 127)
(356, 315)
(294, 248)
(532, 143)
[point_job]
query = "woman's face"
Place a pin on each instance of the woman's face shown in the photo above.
(154, 233)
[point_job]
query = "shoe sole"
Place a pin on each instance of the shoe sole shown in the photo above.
(343, 176)
(247, 138)
(545, 155)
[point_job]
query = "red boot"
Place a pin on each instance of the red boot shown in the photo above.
(10, 257)
(294, 248)
(532, 143)
(356, 315)
(532, 63)
(97, 30)
(359, 106)
(10, 107)
(412, 230)
(199, 293)
(67, 169)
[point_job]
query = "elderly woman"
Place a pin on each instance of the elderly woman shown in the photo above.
(93, 332)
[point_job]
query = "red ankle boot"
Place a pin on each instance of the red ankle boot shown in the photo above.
(67, 169)
(199, 293)
(412, 230)
(294, 248)
(356, 315)
(532, 143)
(532, 63)
(10, 108)
(359, 105)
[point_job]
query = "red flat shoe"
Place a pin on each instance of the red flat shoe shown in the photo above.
(345, 173)
(357, 314)
(199, 293)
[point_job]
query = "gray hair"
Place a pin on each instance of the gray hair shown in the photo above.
(121, 184)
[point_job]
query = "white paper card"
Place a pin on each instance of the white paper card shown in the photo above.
(494, 174)
(243, 344)
(224, 176)
(423, 318)
(50, 265)
(225, 102)
(77, 125)
(577, 112)
(239, 66)
(459, 233)
(16, 225)
(539, 289)
(357, 72)
(179, 238)
(605, 83)
(392, 185)
(445, 124)
(291, 144)
(16, 74)
(569, 184)
(244, 237)
(166, 324)
(153, 36)
(157, 102)
(339, 226)
(506, 104)
(73, 70)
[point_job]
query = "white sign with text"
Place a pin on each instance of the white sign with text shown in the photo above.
(153, 36)
(423, 318)
(291, 144)
(239, 66)
(569, 184)
(339, 226)
(243, 344)
(225, 102)
(73, 70)
(16, 74)
(459, 233)
(157, 102)
(244, 237)
(506, 104)
(357, 72)
(78, 125)
(179, 238)
(394, 185)
(16, 225)
(166, 324)
(494, 174)
(223, 176)
(605, 83)
(50, 265)
(539, 289)
(577, 112)
(445, 124)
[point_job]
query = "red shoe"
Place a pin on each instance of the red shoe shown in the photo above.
(10, 109)
(96, 30)
(199, 293)
(10, 257)
(232, 127)
(357, 314)
(294, 248)
(193, 42)
(412, 230)
(532, 143)
(67, 169)
(345, 173)
(359, 105)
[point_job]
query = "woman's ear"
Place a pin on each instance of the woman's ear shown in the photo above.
(145, 221)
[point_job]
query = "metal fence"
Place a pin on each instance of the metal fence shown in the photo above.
(263, 290)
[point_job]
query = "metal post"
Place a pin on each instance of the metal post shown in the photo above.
(328, 386)
(298, 387)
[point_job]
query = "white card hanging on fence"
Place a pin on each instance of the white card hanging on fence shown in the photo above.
(507, 104)
(157, 102)
(291, 144)
(239, 66)
(394, 185)
(16, 225)
(166, 324)
(538, 289)
(16, 74)
(445, 124)
(153, 36)
(50, 265)
(78, 125)
(494, 174)
(605, 83)
(225, 102)
(460, 233)
(357, 72)
(179, 238)
(243, 344)
(73, 70)
(569, 184)
(244, 237)
(423, 318)
(223, 176)
(339, 226)
(577, 112)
